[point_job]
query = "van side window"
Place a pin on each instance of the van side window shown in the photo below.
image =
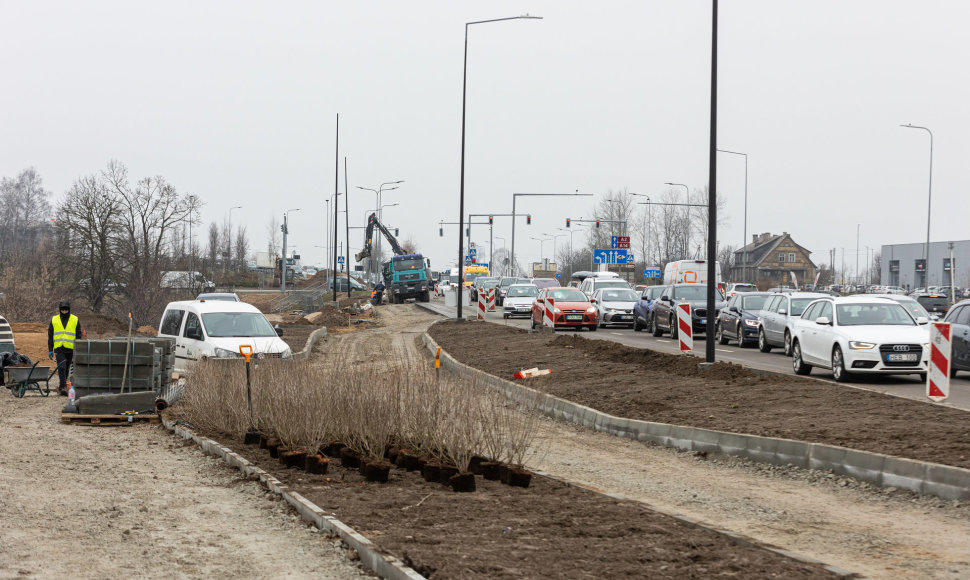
(192, 326)
(171, 322)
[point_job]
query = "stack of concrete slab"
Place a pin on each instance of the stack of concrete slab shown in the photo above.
(167, 355)
(108, 366)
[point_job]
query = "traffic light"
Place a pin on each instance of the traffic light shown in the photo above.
(489, 220)
(567, 222)
(441, 232)
(397, 232)
(597, 223)
(474, 259)
(528, 219)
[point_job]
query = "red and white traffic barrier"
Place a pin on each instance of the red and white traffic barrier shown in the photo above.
(548, 313)
(491, 299)
(481, 306)
(685, 330)
(938, 377)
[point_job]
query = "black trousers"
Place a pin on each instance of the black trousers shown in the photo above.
(65, 356)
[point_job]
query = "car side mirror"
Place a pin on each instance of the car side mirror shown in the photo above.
(922, 320)
(278, 329)
(665, 298)
(733, 309)
(592, 300)
(783, 312)
(823, 320)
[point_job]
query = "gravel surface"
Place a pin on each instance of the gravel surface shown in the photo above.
(110, 502)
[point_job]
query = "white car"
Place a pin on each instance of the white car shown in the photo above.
(518, 300)
(859, 334)
(777, 317)
(615, 305)
(216, 329)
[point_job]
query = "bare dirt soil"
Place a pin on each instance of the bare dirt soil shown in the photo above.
(652, 386)
(548, 530)
(114, 502)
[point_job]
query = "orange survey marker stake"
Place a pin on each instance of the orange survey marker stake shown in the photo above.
(437, 358)
(533, 372)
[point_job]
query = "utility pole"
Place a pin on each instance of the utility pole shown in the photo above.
(283, 259)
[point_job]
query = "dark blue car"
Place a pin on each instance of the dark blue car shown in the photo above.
(643, 307)
(739, 320)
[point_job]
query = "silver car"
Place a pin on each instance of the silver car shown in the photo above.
(777, 316)
(518, 300)
(615, 305)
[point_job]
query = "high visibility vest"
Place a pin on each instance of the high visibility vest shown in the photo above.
(64, 336)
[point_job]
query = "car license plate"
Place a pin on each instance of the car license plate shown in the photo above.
(702, 321)
(574, 317)
(907, 357)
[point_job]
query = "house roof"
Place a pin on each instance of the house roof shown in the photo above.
(758, 251)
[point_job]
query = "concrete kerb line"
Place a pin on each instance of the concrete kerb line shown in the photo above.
(922, 477)
(310, 341)
(383, 565)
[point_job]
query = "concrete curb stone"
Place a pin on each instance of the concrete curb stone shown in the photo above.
(944, 481)
(383, 565)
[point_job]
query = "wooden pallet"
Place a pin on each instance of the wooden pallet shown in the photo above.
(76, 418)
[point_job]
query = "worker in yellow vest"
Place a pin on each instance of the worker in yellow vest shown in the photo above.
(64, 329)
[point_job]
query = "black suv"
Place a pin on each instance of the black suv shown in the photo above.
(664, 317)
(959, 317)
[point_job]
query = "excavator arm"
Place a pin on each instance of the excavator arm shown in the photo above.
(372, 221)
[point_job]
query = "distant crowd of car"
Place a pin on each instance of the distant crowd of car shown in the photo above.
(882, 331)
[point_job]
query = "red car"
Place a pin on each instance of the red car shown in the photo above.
(573, 308)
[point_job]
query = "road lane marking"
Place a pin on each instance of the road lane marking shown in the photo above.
(617, 333)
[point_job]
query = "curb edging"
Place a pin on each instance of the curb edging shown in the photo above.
(310, 341)
(943, 481)
(385, 566)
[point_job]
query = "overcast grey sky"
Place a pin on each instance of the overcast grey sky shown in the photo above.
(236, 102)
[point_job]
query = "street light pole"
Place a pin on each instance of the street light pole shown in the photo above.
(554, 236)
(540, 240)
(286, 232)
(375, 258)
(929, 205)
(744, 245)
(858, 229)
(461, 199)
(687, 189)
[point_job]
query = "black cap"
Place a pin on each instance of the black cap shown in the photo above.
(65, 305)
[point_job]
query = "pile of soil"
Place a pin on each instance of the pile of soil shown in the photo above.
(549, 530)
(653, 386)
(296, 335)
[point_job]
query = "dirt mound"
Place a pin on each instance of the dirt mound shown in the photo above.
(28, 327)
(147, 331)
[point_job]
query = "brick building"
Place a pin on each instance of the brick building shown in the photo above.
(771, 261)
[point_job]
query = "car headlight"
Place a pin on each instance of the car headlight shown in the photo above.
(610, 310)
(751, 323)
(286, 354)
(592, 309)
(224, 353)
(860, 345)
(556, 310)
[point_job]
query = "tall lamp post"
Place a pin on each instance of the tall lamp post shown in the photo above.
(929, 205)
(229, 240)
(744, 245)
(286, 232)
(554, 236)
(540, 240)
(687, 189)
(461, 198)
(375, 260)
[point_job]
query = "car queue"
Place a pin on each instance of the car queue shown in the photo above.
(884, 333)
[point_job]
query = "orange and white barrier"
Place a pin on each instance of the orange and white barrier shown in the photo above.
(548, 313)
(938, 377)
(685, 330)
(491, 299)
(481, 306)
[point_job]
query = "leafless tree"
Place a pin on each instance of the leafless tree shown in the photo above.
(241, 248)
(24, 209)
(225, 244)
(215, 243)
(273, 236)
(725, 256)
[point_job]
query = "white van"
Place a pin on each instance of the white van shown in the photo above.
(184, 280)
(216, 329)
(690, 272)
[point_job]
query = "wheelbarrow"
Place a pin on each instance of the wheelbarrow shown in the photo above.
(23, 379)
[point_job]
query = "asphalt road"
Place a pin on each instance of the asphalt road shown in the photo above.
(907, 386)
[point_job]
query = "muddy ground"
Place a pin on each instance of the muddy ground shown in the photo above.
(653, 386)
(550, 529)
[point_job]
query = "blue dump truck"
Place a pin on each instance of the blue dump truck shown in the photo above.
(405, 275)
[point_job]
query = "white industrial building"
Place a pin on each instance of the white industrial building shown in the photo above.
(904, 264)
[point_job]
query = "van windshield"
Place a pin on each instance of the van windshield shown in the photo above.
(222, 324)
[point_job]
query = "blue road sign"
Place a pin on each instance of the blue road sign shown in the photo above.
(651, 272)
(558, 275)
(630, 258)
(614, 242)
(340, 259)
(472, 251)
(468, 260)
(601, 256)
